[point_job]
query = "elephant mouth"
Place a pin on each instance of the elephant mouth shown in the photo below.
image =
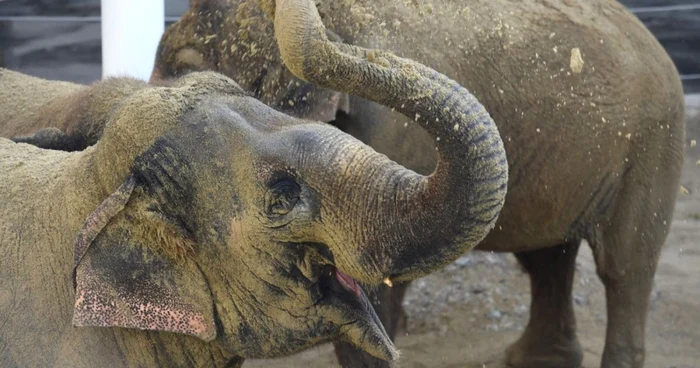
(343, 303)
(360, 325)
(348, 282)
(341, 285)
(332, 279)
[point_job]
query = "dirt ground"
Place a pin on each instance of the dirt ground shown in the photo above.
(467, 314)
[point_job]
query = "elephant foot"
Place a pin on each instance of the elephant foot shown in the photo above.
(616, 356)
(539, 352)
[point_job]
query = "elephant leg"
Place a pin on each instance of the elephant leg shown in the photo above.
(626, 248)
(627, 300)
(549, 340)
(387, 302)
(626, 255)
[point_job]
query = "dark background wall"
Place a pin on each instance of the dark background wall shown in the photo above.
(60, 39)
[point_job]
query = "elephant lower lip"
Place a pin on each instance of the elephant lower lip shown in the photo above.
(348, 282)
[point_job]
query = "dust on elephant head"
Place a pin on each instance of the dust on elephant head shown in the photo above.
(219, 231)
(244, 225)
(237, 39)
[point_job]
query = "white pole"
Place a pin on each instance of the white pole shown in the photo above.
(131, 30)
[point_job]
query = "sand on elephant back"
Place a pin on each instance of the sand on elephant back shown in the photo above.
(467, 314)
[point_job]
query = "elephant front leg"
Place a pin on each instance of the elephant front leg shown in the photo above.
(549, 341)
(387, 302)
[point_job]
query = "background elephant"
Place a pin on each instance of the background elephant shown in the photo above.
(589, 106)
(203, 212)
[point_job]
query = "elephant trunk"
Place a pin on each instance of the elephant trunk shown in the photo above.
(417, 224)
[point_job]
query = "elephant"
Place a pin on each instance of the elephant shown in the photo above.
(589, 106)
(204, 227)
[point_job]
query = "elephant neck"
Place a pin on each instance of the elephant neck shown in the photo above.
(77, 190)
(49, 192)
(47, 195)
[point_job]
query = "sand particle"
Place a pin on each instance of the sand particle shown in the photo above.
(576, 63)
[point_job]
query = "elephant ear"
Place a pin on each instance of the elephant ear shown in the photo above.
(121, 282)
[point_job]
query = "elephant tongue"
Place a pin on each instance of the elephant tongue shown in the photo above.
(347, 282)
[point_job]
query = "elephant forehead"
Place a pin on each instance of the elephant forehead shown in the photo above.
(239, 115)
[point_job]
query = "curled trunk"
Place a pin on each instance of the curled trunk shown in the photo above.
(419, 223)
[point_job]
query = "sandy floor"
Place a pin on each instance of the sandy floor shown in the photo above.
(467, 314)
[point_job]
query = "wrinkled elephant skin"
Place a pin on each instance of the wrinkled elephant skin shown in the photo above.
(588, 104)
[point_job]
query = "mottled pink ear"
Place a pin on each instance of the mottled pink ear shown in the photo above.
(120, 282)
(147, 306)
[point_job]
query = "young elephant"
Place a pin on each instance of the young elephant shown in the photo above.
(218, 226)
(588, 103)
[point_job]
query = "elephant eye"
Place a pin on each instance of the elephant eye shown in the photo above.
(282, 197)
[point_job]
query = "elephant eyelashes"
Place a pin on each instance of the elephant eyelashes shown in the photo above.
(282, 197)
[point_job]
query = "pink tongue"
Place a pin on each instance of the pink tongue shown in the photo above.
(347, 282)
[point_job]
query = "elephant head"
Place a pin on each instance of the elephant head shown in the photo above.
(245, 226)
(235, 38)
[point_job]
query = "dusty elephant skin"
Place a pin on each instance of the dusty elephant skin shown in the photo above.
(55, 118)
(589, 106)
(204, 227)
